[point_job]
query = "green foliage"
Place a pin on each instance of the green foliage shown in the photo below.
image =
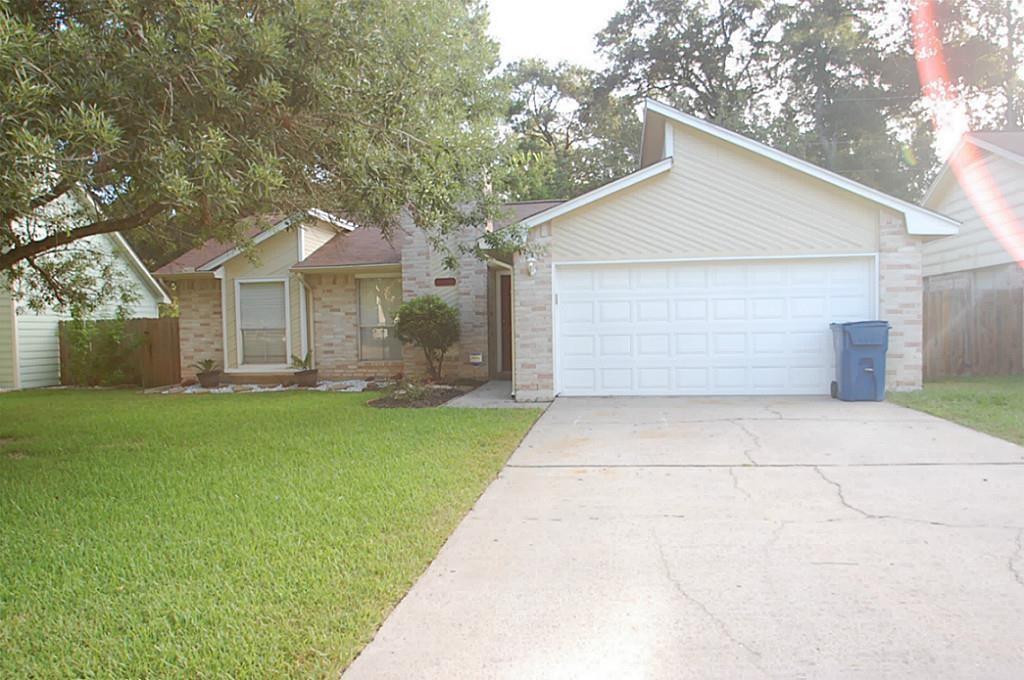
(227, 536)
(101, 352)
(179, 119)
(205, 365)
(570, 136)
(834, 83)
(408, 391)
(431, 324)
(303, 363)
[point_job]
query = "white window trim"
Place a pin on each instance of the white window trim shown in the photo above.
(238, 326)
(359, 320)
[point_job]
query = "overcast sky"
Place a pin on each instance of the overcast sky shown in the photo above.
(554, 30)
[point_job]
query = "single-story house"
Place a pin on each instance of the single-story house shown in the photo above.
(29, 343)
(313, 283)
(974, 281)
(714, 269)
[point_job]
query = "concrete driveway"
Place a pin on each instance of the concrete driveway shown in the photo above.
(728, 538)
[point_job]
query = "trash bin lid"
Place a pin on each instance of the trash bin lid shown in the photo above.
(864, 332)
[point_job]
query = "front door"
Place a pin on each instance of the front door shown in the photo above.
(505, 332)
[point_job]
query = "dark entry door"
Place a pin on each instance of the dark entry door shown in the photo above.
(506, 323)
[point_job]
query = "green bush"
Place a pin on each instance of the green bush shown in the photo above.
(431, 324)
(101, 353)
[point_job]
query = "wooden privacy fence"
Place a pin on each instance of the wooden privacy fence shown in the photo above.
(973, 325)
(148, 354)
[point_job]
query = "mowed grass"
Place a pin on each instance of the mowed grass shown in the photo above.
(992, 405)
(215, 536)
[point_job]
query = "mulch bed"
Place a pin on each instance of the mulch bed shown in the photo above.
(434, 397)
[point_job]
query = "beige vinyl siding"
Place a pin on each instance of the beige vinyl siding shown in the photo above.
(314, 235)
(6, 339)
(975, 247)
(272, 259)
(718, 200)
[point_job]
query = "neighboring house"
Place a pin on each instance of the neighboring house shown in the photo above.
(29, 344)
(715, 268)
(974, 284)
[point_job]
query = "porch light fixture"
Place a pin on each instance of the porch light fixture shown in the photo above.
(531, 265)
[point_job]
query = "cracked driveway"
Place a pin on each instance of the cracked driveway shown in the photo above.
(728, 538)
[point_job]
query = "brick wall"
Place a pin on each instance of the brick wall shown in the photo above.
(420, 267)
(199, 323)
(335, 314)
(534, 360)
(901, 297)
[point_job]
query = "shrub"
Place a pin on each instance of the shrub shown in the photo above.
(431, 324)
(101, 352)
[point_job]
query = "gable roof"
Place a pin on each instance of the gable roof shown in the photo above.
(213, 253)
(361, 247)
(135, 263)
(919, 220)
(1008, 144)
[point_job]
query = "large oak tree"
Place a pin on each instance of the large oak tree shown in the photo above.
(175, 120)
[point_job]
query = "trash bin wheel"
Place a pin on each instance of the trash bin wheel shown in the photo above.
(834, 389)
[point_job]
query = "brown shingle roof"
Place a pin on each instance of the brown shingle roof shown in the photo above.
(192, 260)
(1011, 140)
(363, 246)
(518, 211)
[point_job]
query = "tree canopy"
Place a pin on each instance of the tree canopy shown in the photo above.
(830, 81)
(174, 120)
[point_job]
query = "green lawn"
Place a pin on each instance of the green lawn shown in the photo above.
(251, 535)
(993, 405)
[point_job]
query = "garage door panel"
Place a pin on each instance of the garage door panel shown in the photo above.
(707, 328)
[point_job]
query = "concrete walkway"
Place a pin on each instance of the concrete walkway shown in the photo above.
(728, 538)
(493, 394)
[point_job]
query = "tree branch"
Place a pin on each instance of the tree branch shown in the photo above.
(61, 238)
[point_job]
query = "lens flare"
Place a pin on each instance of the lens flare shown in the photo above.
(950, 123)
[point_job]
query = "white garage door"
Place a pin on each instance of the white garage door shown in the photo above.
(714, 328)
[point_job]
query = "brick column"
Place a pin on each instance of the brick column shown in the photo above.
(200, 329)
(533, 321)
(901, 296)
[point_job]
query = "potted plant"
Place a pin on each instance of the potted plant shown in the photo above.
(207, 373)
(305, 375)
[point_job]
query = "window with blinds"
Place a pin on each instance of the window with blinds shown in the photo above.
(263, 322)
(379, 300)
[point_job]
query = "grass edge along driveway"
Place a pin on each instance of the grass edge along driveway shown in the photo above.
(991, 405)
(222, 535)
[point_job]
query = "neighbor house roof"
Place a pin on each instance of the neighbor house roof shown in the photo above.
(1009, 141)
(1008, 144)
(919, 220)
(361, 247)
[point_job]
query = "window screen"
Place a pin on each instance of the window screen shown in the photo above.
(261, 311)
(379, 300)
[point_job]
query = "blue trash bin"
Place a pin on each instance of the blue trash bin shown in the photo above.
(860, 360)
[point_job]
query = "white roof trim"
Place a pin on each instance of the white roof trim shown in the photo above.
(276, 229)
(943, 173)
(596, 194)
(920, 221)
(994, 148)
(135, 262)
(967, 138)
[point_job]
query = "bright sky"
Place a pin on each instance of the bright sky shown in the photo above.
(554, 30)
